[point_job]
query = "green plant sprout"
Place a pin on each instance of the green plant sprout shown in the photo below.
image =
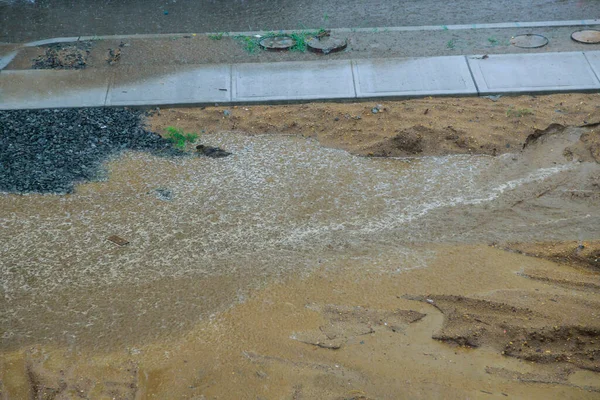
(179, 138)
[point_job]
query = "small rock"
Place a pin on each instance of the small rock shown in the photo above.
(212, 152)
(227, 113)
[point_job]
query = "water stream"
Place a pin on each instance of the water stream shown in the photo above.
(204, 231)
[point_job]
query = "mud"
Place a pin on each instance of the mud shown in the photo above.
(579, 253)
(293, 269)
(253, 349)
(520, 332)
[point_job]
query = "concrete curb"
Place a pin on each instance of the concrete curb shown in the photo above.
(302, 81)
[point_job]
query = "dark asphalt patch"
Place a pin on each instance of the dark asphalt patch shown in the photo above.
(49, 151)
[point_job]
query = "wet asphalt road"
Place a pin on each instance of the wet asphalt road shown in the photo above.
(25, 20)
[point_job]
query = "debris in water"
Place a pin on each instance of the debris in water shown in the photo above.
(163, 194)
(118, 240)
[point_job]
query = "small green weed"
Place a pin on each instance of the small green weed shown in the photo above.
(179, 138)
(451, 44)
(519, 112)
(250, 44)
(493, 41)
(301, 38)
(216, 36)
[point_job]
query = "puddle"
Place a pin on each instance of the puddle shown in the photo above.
(278, 206)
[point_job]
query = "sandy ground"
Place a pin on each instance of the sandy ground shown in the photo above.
(202, 49)
(429, 126)
(474, 323)
(477, 319)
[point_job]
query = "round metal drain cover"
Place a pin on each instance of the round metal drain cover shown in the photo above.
(277, 43)
(529, 41)
(587, 36)
(326, 44)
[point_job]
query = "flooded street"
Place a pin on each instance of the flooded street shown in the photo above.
(23, 20)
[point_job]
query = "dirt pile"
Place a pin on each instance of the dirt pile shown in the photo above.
(583, 145)
(420, 139)
(421, 127)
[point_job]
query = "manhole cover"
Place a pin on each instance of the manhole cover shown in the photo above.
(588, 36)
(277, 43)
(529, 41)
(326, 44)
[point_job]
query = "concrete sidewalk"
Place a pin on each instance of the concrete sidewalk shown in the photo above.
(302, 81)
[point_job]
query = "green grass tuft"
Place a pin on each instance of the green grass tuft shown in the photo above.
(216, 36)
(179, 138)
(249, 43)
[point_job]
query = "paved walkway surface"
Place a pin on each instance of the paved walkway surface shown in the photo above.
(303, 81)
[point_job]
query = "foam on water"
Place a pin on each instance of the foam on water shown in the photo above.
(278, 206)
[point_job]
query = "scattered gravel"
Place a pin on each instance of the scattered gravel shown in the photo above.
(64, 56)
(48, 151)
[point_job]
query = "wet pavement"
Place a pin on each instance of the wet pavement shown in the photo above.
(23, 20)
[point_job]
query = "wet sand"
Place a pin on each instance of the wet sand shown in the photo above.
(294, 270)
(275, 345)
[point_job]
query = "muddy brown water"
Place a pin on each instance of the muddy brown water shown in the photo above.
(280, 205)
